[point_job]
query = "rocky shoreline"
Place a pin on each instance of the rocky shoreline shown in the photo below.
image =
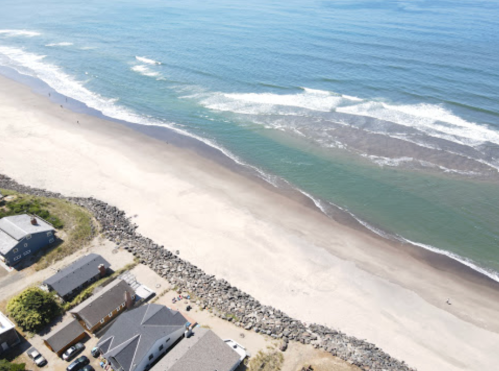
(226, 301)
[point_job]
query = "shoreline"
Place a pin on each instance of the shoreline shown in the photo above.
(258, 239)
(212, 152)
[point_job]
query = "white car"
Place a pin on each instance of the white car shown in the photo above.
(73, 351)
(37, 357)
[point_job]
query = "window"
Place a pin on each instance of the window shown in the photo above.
(151, 357)
(161, 348)
(102, 320)
(26, 252)
(49, 234)
(25, 245)
(110, 314)
(15, 250)
(28, 237)
(118, 309)
(123, 305)
(167, 340)
(17, 257)
(51, 240)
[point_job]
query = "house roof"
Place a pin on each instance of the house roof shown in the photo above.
(133, 334)
(103, 302)
(64, 334)
(5, 324)
(202, 351)
(79, 272)
(15, 228)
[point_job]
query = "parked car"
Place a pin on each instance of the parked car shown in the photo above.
(78, 364)
(37, 357)
(87, 368)
(72, 351)
(95, 352)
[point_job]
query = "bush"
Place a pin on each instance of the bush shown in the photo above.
(32, 206)
(7, 366)
(33, 309)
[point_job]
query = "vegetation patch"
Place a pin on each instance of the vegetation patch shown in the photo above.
(33, 309)
(8, 366)
(271, 360)
(30, 205)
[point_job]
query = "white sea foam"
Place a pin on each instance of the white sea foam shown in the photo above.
(13, 33)
(431, 119)
(144, 70)
(147, 60)
(60, 44)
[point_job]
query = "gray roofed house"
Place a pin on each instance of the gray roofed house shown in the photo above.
(65, 335)
(202, 351)
(22, 235)
(70, 280)
(103, 305)
(138, 337)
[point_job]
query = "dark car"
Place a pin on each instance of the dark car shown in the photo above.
(87, 368)
(78, 364)
(71, 352)
(95, 352)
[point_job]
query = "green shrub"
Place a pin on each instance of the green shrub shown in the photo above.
(7, 366)
(31, 206)
(33, 309)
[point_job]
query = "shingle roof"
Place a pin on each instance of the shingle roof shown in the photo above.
(15, 228)
(202, 351)
(64, 334)
(103, 302)
(79, 272)
(133, 334)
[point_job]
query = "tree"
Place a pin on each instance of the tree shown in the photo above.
(33, 308)
(7, 366)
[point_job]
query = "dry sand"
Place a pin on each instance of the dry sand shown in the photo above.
(278, 250)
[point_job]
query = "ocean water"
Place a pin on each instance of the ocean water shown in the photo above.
(388, 110)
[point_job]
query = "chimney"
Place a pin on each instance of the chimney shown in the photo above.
(128, 300)
(34, 221)
(102, 270)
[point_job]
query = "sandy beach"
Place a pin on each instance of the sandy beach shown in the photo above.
(281, 251)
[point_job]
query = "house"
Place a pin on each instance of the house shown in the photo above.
(104, 305)
(202, 350)
(23, 235)
(140, 336)
(69, 281)
(8, 334)
(67, 334)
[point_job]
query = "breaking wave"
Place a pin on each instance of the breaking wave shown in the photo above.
(14, 33)
(145, 71)
(60, 44)
(147, 60)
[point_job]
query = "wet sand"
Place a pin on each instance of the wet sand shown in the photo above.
(277, 248)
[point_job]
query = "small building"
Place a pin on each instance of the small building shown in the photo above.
(8, 334)
(200, 350)
(69, 281)
(67, 334)
(104, 305)
(140, 336)
(23, 235)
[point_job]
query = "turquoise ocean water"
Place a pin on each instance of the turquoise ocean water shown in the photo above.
(386, 109)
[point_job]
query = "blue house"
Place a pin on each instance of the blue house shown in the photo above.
(23, 235)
